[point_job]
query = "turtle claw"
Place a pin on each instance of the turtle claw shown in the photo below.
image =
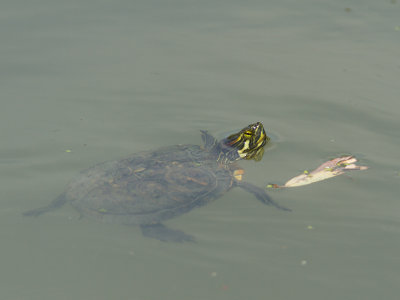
(260, 194)
(160, 232)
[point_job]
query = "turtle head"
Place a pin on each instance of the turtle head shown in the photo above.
(247, 144)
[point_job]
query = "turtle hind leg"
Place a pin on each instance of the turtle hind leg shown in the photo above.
(160, 232)
(56, 203)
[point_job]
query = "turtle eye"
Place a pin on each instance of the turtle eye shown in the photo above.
(248, 134)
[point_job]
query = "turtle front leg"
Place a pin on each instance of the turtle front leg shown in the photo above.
(260, 194)
(160, 232)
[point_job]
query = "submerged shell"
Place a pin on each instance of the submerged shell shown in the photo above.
(150, 187)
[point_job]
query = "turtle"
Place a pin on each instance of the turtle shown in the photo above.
(150, 187)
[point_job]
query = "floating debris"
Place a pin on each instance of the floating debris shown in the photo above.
(329, 169)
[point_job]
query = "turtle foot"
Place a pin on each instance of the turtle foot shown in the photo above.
(35, 212)
(160, 232)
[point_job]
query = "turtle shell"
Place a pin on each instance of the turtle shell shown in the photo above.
(150, 187)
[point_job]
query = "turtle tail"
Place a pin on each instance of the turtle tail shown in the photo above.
(56, 203)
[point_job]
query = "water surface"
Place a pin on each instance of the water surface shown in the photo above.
(87, 81)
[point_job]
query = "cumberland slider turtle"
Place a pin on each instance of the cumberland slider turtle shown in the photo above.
(148, 188)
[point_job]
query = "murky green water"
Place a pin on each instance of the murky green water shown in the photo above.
(105, 79)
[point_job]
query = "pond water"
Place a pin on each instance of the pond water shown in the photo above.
(88, 81)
